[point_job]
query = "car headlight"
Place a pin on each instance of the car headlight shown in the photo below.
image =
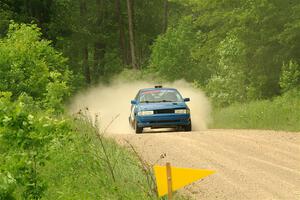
(182, 111)
(146, 112)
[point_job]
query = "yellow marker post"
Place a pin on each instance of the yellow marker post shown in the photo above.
(169, 179)
(176, 178)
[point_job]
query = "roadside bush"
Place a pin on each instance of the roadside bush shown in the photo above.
(25, 136)
(30, 65)
(229, 85)
(49, 157)
(171, 57)
(7, 186)
(290, 76)
(79, 169)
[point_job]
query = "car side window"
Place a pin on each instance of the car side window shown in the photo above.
(137, 96)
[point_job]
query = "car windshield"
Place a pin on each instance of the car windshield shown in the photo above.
(156, 96)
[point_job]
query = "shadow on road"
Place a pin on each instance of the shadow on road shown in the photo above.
(160, 130)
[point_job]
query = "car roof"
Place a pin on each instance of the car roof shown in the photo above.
(149, 89)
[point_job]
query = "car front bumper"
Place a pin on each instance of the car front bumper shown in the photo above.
(163, 120)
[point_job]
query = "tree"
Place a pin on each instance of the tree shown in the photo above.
(230, 84)
(121, 32)
(131, 34)
(290, 76)
(85, 51)
(165, 19)
(99, 46)
(267, 44)
(30, 65)
(171, 57)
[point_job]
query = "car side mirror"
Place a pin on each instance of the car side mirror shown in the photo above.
(133, 102)
(186, 99)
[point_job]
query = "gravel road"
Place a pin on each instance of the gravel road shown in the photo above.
(249, 164)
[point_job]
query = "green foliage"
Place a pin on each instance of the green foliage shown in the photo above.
(25, 136)
(200, 36)
(46, 155)
(290, 76)
(30, 65)
(111, 65)
(234, 49)
(229, 85)
(57, 90)
(282, 113)
(43, 156)
(50, 157)
(5, 16)
(7, 186)
(171, 57)
(77, 169)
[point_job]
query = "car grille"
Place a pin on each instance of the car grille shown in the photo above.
(163, 111)
(164, 121)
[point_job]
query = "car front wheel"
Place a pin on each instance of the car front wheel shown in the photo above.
(188, 128)
(137, 128)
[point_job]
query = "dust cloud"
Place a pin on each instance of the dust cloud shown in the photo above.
(112, 104)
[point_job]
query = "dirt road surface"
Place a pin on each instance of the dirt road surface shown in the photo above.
(249, 164)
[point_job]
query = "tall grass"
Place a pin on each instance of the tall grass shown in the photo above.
(47, 156)
(78, 169)
(90, 166)
(281, 113)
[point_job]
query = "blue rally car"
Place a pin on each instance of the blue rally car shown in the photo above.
(159, 108)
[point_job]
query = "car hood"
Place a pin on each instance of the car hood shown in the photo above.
(162, 105)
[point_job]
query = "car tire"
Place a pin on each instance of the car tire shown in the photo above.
(137, 128)
(188, 128)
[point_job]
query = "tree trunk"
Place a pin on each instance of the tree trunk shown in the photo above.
(131, 36)
(99, 52)
(165, 20)
(85, 50)
(27, 8)
(121, 32)
(99, 46)
(85, 63)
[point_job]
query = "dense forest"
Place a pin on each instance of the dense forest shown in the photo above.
(237, 51)
(234, 50)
